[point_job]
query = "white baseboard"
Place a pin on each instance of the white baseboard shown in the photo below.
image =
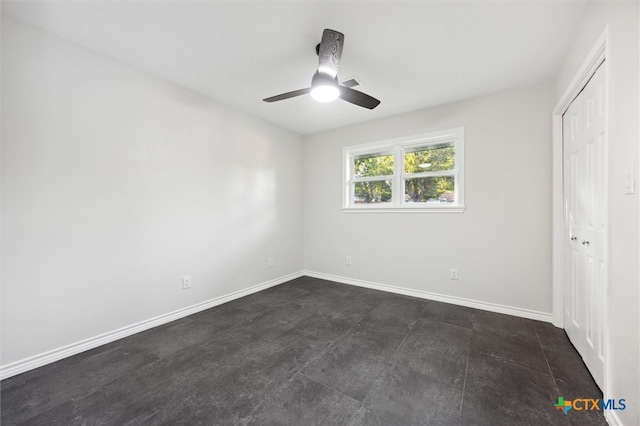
(30, 363)
(486, 306)
(48, 357)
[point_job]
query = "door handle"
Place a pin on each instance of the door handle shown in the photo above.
(585, 242)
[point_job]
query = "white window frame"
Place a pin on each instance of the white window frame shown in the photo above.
(398, 148)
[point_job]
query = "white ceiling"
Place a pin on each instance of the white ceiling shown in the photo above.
(410, 55)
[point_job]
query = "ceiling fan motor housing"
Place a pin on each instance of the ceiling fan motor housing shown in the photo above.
(324, 88)
(320, 79)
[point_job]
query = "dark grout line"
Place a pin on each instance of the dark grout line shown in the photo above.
(328, 387)
(464, 384)
(403, 340)
(258, 405)
(230, 412)
(390, 364)
(546, 360)
(295, 372)
(381, 327)
(514, 364)
(341, 393)
(426, 305)
(400, 345)
(270, 394)
(331, 344)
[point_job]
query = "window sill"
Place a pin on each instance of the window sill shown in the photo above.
(433, 209)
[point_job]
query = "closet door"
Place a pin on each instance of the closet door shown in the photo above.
(585, 223)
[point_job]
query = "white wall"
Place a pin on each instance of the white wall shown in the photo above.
(501, 244)
(117, 183)
(622, 370)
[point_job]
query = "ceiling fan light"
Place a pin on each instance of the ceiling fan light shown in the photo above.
(325, 93)
(324, 88)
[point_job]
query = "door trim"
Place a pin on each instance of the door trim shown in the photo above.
(598, 54)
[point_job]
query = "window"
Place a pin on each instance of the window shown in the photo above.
(419, 173)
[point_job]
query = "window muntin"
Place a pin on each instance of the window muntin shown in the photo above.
(421, 173)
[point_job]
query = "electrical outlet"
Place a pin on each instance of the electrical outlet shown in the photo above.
(453, 274)
(270, 262)
(349, 262)
(186, 282)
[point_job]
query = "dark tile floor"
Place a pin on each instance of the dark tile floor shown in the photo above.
(315, 352)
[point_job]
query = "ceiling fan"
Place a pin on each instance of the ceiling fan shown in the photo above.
(324, 84)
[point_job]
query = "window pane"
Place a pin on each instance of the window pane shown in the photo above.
(372, 192)
(432, 158)
(377, 164)
(440, 189)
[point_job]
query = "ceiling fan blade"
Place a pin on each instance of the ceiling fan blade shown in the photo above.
(288, 95)
(358, 98)
(352, 82)
(330, 52)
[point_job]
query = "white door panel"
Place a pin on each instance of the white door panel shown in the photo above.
(585, 203)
